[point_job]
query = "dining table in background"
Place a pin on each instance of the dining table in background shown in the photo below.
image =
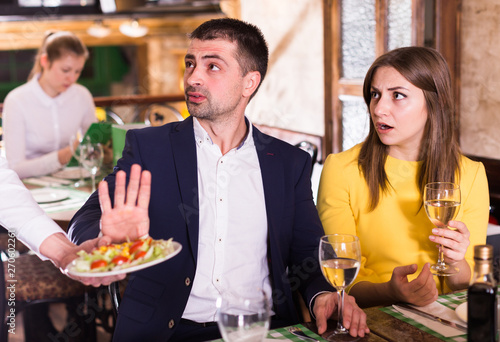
(63, 210)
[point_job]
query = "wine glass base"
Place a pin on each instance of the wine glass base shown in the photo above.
(339, 336)
(443, 270)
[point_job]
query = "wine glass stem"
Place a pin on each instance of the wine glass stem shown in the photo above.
(441, 262)
(92, 174)
(80, 169)
(340, 322)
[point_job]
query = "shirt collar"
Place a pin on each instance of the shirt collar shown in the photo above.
(40, 93)
(201, 136)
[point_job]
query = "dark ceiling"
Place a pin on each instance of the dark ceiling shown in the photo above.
(31, 9)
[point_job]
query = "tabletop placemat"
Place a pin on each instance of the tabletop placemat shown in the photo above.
(76, 199)
(451, 301)
(284, 335)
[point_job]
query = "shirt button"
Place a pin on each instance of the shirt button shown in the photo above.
(171, 323)
(187, 281)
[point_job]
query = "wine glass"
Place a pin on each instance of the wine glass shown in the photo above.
(442, 202)
(243, 317)
(91, 156)
(340, 259)
(74, 145)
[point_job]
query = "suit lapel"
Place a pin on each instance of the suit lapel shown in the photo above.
(271, 168)
(185, 163)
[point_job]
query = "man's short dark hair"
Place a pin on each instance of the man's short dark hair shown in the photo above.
(252, 51)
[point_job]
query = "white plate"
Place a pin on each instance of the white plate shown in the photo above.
(49, 195)
(461, 311)
(71, 268)
(71, 172)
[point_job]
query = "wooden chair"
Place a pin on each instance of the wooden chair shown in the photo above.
(492, 168)
(160, 114)
(27, 281)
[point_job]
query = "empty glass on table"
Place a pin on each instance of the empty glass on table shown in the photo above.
(91, 157)
(243, 317)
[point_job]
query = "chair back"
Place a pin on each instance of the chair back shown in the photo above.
(160, 114)
(310, 148)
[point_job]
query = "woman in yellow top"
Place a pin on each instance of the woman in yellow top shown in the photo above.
(374, 190)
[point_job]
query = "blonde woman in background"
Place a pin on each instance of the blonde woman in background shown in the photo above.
(374, 190)
(41, 116)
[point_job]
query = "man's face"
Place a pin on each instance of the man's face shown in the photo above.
(213, 81)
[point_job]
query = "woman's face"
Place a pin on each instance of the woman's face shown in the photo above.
(59, 75)
(399, 113)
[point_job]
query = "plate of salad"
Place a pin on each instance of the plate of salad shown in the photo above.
(130, 256)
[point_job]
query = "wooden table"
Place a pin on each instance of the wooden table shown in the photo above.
(384, 327)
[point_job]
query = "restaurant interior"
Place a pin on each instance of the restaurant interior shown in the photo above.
(320, 51)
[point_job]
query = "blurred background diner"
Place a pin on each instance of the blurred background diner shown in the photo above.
(40, 134)
(320, 51)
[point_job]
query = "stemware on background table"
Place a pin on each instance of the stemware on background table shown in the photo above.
(91, 157)
(74, 145)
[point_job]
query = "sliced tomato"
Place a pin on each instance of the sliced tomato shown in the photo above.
(137, 245)
(139, 254)
(119, 259)
(98, 264)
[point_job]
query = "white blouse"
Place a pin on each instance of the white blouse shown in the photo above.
(36, 126)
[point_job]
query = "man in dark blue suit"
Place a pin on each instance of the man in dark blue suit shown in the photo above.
(239, 202)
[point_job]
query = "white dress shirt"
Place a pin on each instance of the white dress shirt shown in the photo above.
(20, 213)
(36, 126)
(232, 248)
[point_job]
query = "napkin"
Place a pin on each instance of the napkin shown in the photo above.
(47, 181)
(439, 310)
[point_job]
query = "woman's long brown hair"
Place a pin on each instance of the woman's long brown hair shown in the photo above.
(56, 45)
(439, 151)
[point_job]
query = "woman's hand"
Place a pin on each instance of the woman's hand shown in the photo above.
(64, 155)
(454, 242)
(420, 291)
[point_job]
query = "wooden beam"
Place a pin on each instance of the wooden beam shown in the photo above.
(381, 28)
(18, 35)
(328, 82)
(125, 100)
(448, 18)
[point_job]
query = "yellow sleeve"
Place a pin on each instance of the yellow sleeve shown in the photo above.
(334, 200)
(338, 201)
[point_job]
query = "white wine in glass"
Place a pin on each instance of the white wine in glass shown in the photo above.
(442, 202)
(340, 259)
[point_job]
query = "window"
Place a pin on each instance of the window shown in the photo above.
(355, 33)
